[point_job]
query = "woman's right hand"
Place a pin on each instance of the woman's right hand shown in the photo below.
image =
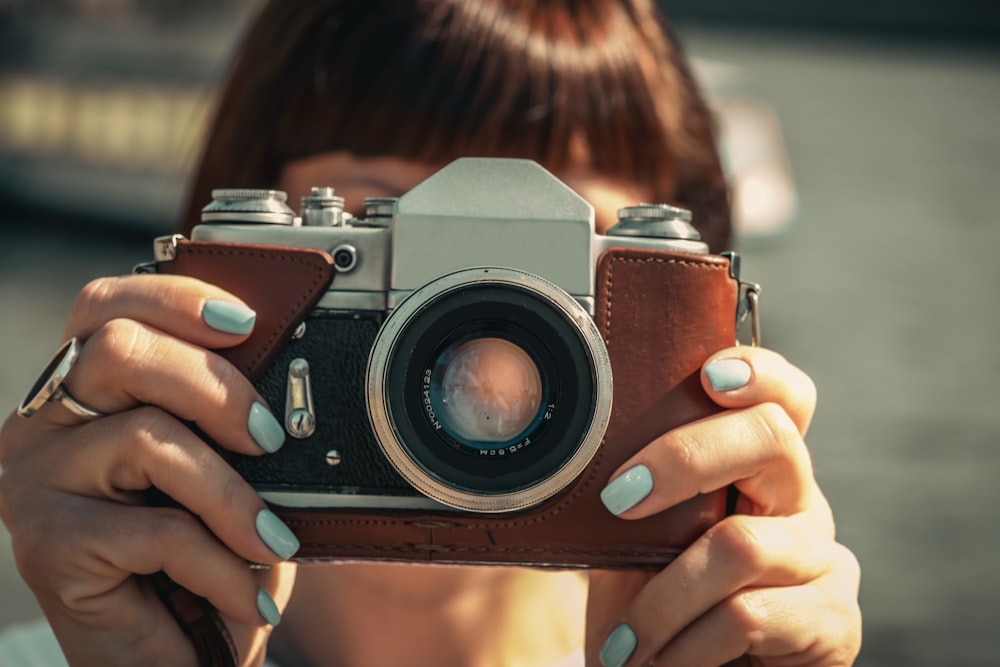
(72, 490)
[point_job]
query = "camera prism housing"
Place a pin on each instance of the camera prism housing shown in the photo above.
(460, 371)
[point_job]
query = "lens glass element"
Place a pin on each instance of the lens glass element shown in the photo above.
(486, 391)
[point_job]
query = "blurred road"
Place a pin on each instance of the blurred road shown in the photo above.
(884, 290)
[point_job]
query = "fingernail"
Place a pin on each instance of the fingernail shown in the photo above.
(265, 429)
(728, 374)
(627, 489)
(278, 537)
(228, 317)
(618, 647)
(267, 609)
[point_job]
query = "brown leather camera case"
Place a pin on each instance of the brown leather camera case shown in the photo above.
(661, 314)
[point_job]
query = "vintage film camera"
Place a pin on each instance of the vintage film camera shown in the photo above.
(461, 370)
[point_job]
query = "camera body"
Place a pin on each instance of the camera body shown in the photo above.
(474, 361)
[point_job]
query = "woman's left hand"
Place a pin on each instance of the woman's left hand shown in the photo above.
(770, 582)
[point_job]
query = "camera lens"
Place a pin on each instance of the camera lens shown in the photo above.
(489, 389)
(486, 391)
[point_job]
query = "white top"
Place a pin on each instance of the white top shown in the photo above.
(35, 645)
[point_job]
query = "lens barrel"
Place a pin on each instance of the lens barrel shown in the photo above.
(489, 389)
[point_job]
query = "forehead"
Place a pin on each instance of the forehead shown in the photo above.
(356, 177)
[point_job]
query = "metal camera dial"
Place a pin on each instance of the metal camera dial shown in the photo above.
(248, 206)
(657, 221)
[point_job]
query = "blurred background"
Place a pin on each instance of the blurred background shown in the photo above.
(862, 141)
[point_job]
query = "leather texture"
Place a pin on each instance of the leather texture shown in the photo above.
(336, 346)
(281, 283)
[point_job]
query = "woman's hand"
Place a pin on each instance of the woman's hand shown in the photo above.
(71, 492)
(769, 582)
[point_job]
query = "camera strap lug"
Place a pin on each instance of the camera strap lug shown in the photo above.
(748, 302)
(164, 250)
(749, 306)
(165, 247)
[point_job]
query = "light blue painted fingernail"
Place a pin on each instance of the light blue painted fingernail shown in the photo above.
(265, 429)
(728, 374)
(228, 317)
(627, 489)
(267, 609)
(618, 647)
(276, 535)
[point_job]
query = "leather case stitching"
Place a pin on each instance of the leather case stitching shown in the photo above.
(435, 548)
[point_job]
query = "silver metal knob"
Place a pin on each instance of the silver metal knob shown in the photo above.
(248, 206)
(378, 212)
(322, 208)
(657, 221)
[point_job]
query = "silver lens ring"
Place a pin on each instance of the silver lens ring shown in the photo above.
(389, 438)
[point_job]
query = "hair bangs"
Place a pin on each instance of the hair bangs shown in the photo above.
(491, 79)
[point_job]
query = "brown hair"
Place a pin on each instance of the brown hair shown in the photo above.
(437, 79)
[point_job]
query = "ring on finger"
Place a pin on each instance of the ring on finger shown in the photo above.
(49, 385)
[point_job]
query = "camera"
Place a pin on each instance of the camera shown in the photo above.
(460, 370)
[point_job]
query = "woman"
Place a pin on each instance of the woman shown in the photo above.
(372, 97)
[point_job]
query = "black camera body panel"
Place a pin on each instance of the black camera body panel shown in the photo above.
(337, 345)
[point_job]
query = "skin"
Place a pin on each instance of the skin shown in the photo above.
(770, 581)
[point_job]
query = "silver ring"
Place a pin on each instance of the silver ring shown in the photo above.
(49, 385)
